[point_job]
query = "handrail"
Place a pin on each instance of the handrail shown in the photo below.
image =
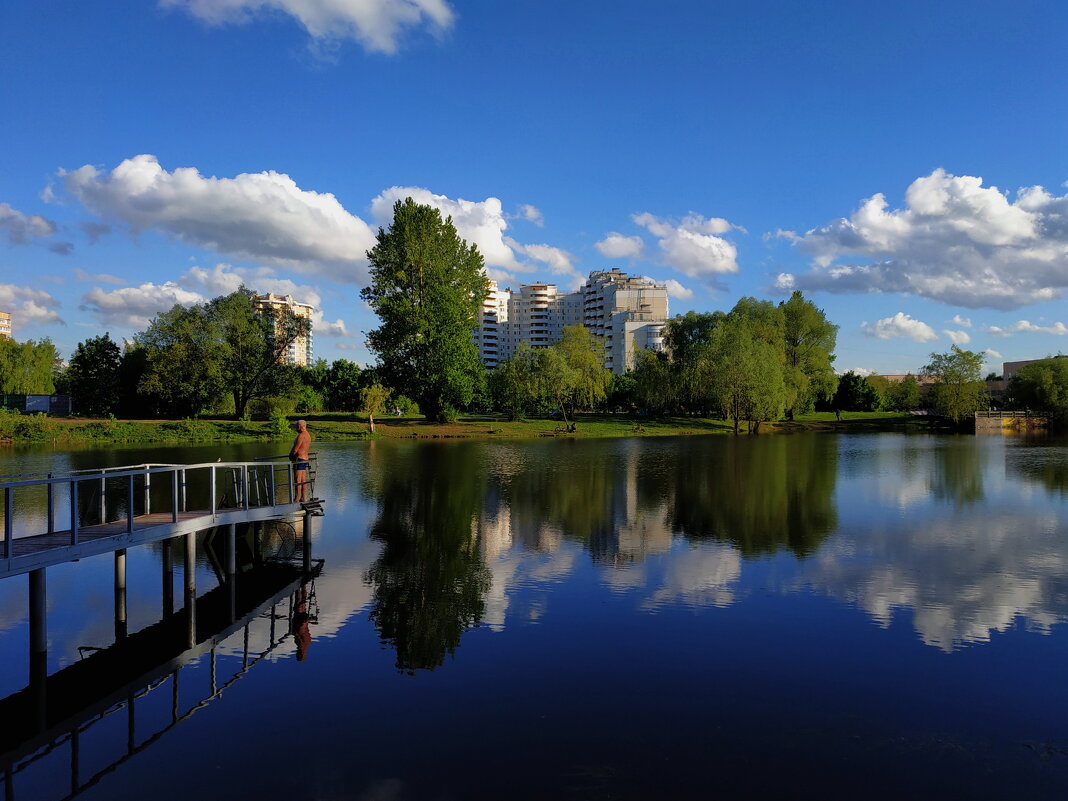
(123, 472)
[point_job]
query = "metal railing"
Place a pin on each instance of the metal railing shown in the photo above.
(122, 494)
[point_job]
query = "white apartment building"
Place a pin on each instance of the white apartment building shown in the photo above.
(300, 349)
(626, 312)
(5, 324)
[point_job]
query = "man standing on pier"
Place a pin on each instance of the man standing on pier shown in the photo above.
(298, 454)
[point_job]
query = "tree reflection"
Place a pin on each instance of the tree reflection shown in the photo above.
(759, 495)
(958, 473)
(429, 581)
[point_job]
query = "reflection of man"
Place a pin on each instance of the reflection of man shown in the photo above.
(299, 626)
(298, 454)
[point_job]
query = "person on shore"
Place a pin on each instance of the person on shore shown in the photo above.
(298, 454)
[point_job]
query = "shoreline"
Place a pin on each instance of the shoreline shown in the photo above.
(328, 426)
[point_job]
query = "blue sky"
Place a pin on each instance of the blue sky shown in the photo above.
(903, 164)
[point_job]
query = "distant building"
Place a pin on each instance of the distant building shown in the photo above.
(5, 324)
(300, 349)
(625, 312)
(1010, 369)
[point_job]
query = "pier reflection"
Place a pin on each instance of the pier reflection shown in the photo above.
(266, 593)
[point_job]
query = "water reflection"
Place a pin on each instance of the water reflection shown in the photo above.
(429, 580)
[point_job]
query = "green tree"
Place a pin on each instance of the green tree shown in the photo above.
(26, 368)
(93, 377)
(427, 285)
(1043, 386)
(960, 390)
(343, 386)
(254, 342)
(747, 381)
(652, 381)
(856, 394)
(809, 340)
(374, 400)
(905, 394)
(584, 355)
(514, 384)
(183, 357)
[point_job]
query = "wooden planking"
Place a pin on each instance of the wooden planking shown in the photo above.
(24, 546)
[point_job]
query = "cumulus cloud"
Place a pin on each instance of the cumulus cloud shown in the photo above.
(29, 306)
(94, 231)
(259, 216)
(955, 241)
(963, 322)
(693, 246)
(20, 228)
(1025, 326)
(900, 325)
(957, 337)
(135, 306)
(325, 328)
(222, 279)
(677, 290)
(377, 25)
(481, 222)
(993, 354)
(617, 246)
(861, 371)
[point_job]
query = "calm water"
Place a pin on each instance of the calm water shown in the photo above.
(811, 616)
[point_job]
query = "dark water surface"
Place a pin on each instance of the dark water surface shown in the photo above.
(810, 616)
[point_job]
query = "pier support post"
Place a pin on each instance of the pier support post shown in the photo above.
(120, 595)
(307, 542)
(191, 588)
(168, 579)
(39, 645)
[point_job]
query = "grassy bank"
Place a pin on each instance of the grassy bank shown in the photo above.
(26, 429)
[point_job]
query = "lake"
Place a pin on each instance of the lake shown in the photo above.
(793, 616)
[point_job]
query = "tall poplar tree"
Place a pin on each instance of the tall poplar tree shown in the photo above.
(426, 287)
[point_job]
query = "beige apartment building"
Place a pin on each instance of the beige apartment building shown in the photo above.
(626, 312)
(5, 324)
(300, 350)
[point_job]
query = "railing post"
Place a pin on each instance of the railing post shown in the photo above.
(244, 487)
(289, 481)
(174, 496)
(270, 485)
(211, 488)
(182, 475)
(148, 491)
(51, 505)
(9, 521)
(103, 500)
(74, 511)
(130, 503)
(191, 589)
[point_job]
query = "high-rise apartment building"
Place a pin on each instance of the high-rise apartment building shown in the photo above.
(5, 324)
(300, 349)
(625, 312)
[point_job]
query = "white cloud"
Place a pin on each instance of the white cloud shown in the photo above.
(21, 228)
(480, 222)
(955, 241)
(617, 246)
(531, 214)
(900, 325)
(963, 322)
(1025, 326)
(993, 354)
(135, 306)
(325, 328)
(997, 331)
(29, 306)
(677, 290)
(376, 24)
(558, 261)
(261, 216)
(222, 279)
(957, 337)
(692, 246)
(862, 371)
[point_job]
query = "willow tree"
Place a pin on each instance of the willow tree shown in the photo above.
(748, 381)
(427, 285)
(809, 340)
